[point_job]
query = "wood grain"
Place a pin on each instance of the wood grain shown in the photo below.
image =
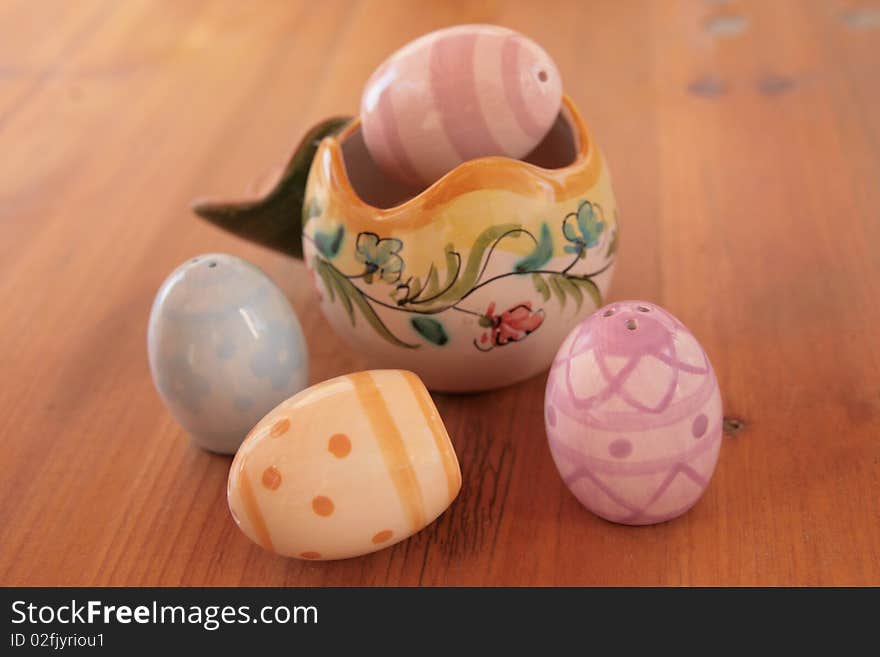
(744, 138)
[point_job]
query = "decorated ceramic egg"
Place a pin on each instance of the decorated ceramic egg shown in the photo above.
(225, 347)
(455, 95)
(633, 414)
(346, 467)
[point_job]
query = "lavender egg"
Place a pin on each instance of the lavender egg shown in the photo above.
(458, 94)
(225, 348)
(633, 414)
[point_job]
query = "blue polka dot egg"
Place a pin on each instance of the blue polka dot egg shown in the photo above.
(225, 348)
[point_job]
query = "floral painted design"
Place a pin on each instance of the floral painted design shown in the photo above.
(583, 228)
(381, 283)
(512, 325)
(380, 255)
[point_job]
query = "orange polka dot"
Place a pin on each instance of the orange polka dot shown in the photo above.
(339, 445)
(383, 536)
(323, 506)
(279, 428)
(310, 555)
(271, 477)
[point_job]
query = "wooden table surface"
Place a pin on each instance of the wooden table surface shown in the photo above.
(744, 139)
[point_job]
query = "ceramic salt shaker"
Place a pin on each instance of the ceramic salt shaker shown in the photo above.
(225, 347)
(633, 414)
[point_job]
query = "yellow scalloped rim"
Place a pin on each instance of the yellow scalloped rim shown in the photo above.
(481, 175)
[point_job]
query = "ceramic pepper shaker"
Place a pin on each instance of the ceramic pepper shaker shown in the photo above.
(225, 347)
(633, 414)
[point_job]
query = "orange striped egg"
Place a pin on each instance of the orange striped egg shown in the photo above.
(458, 94)
(343, 468)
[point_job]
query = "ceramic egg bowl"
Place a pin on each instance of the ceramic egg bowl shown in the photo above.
(472, 282)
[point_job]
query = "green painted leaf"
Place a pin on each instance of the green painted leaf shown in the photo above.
(430, 329)
(415, 286)
(541, 255)
(565, 286)
(541, 286)
(590, 287)
(432, 286)
(352, 296)
(471, 271)
(328, 244)
(325, 276)
(377, 323)
(453, 264)
(558, 290)
(572, 290)
(343, 291)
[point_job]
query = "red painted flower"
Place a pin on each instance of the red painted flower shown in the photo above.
(510, 326)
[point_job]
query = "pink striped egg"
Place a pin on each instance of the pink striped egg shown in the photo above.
(455, 95)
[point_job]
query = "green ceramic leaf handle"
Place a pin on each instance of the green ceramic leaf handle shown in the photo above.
(275, 219)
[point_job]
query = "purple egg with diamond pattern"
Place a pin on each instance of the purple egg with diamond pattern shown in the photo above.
(633, 414)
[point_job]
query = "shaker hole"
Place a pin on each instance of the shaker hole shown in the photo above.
(542, 76)
(643, 309)
(212, 264)
(631, 324)
(608, 313)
